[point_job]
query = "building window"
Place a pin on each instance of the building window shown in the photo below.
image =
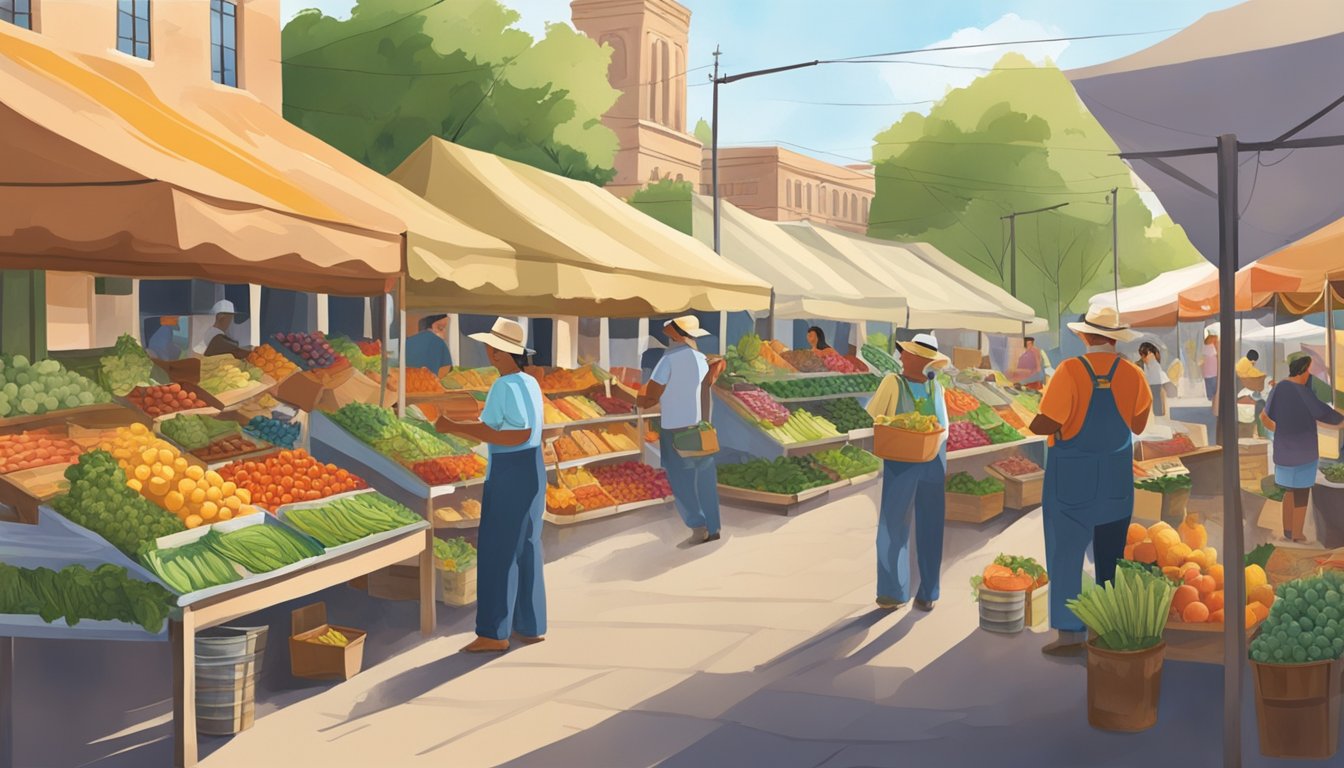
(133, 27)
(224, 42)
(17, 12)
(865, 210)
(798, 194)
(809, 198)
(788, 195)
(835, 203)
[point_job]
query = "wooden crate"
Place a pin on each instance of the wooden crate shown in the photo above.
(456, 588)
(1020, 491)
(966, 508)
(1199, 643)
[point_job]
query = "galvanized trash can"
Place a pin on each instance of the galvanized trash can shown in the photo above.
(228, 663)
(1002, 612)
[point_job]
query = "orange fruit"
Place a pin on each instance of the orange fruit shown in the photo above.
(1263, 594)
(1136, 534)
(1215, 600)
(1172, 573)
(1174, 554)
(1205, 585)
(1251, 616)
(1129, 551)
(1145, 552)
(1185, 595)
(1216, 571)
(1195, 613)
(1259, 610)
(1189, 573)
(1216, 617)
(1157, 528)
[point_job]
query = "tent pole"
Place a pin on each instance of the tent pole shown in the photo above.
(401, 347)
(384, 328)
(1274, 343)
(1330, 338)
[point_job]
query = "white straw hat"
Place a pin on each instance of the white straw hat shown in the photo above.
(924, 345)
(688, 325)
(223, 307)
(506, 336)
(1104, 321)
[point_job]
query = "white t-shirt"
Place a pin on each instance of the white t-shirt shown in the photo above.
(210, 335)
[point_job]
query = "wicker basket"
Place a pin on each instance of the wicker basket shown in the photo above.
(896, 444)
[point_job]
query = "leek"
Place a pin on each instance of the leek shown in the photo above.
(1128, 613)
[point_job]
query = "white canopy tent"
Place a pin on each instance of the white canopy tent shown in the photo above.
(1156, 302)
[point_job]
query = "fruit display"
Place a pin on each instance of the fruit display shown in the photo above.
(1010, 573)
(750, 355)
(227, 448)
(311, 349)
(845, 413)
(960, 403)
(284, 434)
(1003, 434)
(803, 427)
(1011, 418)
(911, 422)
(561, 501)
(1164, 484)
(75, 593)
(158, 472)
(455, 554)
(983, 417)
(1031, 401)
(225, 373)
(632, 481)
(194, 431)
(1305, 622)
(1333, 472)
(164, 399)
(963, 482)
(31, 389)
(1176, 446)
(577, 408)
(126, 368)
(470, 510)
(469, 378)
(269, 360)
(785, 475)
(371, 348)
(576, 476)
(350, 518)
(1016, 466)
(332, 637)
(847, 462)
(419, 381)
(962, 435)
(36, 449)
(190, 567)
(805, 361)
(612, 406)
(838, 363)
(101, 499)
(565, 380)
(1183, 556)
(822, 386)
(879, 359)
(392, 437)
(450, 469)
(592, 497)
(761, 405)
(262, 548)
(285, 477)
(352, 352)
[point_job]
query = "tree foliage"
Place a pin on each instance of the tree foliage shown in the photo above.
(668, 201)
(1015, 140)
(703, 132)
(395, 73)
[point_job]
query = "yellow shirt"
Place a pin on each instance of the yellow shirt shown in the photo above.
(1247, 370)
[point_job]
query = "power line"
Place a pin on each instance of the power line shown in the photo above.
(368, 31)
(948, 66)
(1035, 41)
(855, 103)
(1305, 123)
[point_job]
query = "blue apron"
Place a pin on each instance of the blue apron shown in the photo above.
(912, 491)
(510, 592)
(1088, 497)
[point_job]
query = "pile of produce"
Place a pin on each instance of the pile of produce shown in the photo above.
(1003, 434)
(910, 422)
(469, 378)
(1010, 573)
(285, 477)
(1305, 624)
(371, 348)
(1164, 484)
(274, 431)
(1011, 418)
(822, 386)
(471, 510)
(1333, 472)
(750, 355)
(1016, 466)
(845, 413)
(190, 567)
(564, 380)
(805, 361)
(36, 449)
(960, 403)
(612, 406)
(561, 501)
(332, 637)
(258, 406)
(419, 381)
(262, 548)
(983, 417)
(126, 368)
(228, 448)
(390, 436)
(838, 363)
(576, 476)
(164, 399)
(32, 389)
(351, 351)
(450, 469)
(269, 360)
(194, 431)
(786, 475)
(578, 408)
(157, 471)
(1176, 446)
(350, 518)
(632, 481)
(1183, 556)
(850, 461)
(101, 500)
(1031, 401)
(75, 593)
(225, 373)
(593, 497)
(761, 405)
(311, 349)
(879, 359)
(1129, 613)
(962, 435)
(803, 427)
(963, 482)
(456, 554)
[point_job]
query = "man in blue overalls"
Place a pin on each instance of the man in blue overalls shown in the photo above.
(1092, 408)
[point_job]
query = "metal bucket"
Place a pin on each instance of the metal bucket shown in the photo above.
(228, 662)
(1002, 612)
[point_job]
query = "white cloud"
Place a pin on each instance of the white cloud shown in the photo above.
(914, 82)
(338, 8)
(536, 14)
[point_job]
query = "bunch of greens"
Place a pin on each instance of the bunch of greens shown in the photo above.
(100, 500)
(963, 482)
(1333, 472)
(455, 554)
(1304, 622)
(1014, 563)
(1260, 555)
(75, 593)
(1164, 484)
(1128, 613)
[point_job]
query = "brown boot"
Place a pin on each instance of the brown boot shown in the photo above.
(526, 640)
(486, 645)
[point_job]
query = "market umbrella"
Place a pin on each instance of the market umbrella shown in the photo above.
(1155, 303)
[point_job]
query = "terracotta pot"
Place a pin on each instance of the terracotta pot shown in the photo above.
(1297, 708)
(1123, 687)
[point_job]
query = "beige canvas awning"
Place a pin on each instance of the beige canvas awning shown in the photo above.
(102, 173)
(579, 249)
(806, 284)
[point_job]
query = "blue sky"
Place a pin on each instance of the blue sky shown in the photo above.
(784, 109)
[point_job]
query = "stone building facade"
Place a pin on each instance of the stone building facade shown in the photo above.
(781, 185)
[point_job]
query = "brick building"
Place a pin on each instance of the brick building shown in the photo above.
(781, 185)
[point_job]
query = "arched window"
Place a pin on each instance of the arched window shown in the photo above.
(788, 194)
(654, 76)
(679, 178)
(798, 195)
(809, 198)
(865, 210)
(835, 203)
(844, 202)
(616, 71)
(853, 207)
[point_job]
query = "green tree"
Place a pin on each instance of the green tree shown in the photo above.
(1018, 139)
(395, 73)
(668, 201)
(703, 132)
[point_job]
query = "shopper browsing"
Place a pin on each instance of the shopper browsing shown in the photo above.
(1031, 365)
(510, 591)
(217, 340)
(1291, 414)
(429, 348)
(909, 487)
(1094, 406)
(1150, 360)
(1210, 361)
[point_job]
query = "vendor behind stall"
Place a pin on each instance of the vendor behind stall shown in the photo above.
(1292, 413)
(217, 340)
(429, 347)
(816, 339)
(162, 345)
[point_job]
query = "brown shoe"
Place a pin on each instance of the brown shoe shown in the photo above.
(890, 603)
(525, 640)
(486, 645)
(1068, 644)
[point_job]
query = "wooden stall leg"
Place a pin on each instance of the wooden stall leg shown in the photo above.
(182, 636)
(6, 702)
(427, 576)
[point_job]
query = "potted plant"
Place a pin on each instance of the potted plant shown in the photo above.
(1013, 593)
(1124, 657)
(1296, 662)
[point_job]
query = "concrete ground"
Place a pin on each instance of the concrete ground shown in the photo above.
(763, 649)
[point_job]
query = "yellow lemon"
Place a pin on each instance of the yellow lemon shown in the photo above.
(149, 456)
(225, 514)
(198, 495)
(233, 503)
(186, 485)
(173, 501)
(208, 510)
(214, 478)
(213, 494)
(228, 488)
(193, 521)
(166, 456)
(244, 495)
(143, 472)
(134, 485)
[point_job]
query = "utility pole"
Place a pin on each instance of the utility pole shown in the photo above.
(714, 150)
(1012, 241)
(1115, 242)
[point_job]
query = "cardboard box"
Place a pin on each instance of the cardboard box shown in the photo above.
(315, 661)
(301, 389)
(966, 359)
(456, 588)
(1038, 606)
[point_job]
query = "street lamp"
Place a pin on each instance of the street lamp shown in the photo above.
(1012, 240)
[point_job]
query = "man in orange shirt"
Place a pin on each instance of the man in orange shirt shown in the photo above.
(1093, 407)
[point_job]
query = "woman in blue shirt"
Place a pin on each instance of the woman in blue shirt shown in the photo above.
(1292, 413)
(510, 592)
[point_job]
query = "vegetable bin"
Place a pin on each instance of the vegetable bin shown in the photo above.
(1123, 687)
(1002, 612)
(896, 444)
(1297, 707)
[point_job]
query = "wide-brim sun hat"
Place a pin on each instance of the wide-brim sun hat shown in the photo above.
(506, 335)
(223, 307)
(689, 325)
(924, 345)
(1104, 321)
(1212, 330)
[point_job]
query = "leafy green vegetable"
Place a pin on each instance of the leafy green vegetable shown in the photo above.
(963, 482)
(1128, 613)
(1260, 555)
(457, 553)
(1304, 624)
(74, 593)
(1164, 484)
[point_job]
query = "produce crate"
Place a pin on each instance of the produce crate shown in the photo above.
(896, 444)
(697, 443)
(395, 582)
(966, 508)
(1020, 491)
(322, 662)
(455, 588)
(235, 397)
(777, 499)
(1199, 643)
(1038, 606)
(101, 414)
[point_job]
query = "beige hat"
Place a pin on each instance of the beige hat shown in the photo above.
(1104, 321)
(506, 336)
(689, 325)
(924, 345)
